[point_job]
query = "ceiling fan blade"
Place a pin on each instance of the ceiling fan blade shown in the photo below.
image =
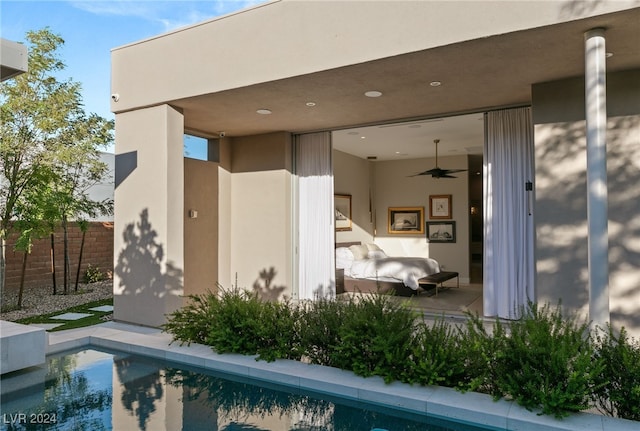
(435, 171)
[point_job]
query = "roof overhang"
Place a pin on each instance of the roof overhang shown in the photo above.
(13, 59)
(476, 73)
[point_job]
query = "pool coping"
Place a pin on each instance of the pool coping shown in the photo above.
(435, 401)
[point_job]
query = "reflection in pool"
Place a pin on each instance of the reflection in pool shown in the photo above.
(97, 390)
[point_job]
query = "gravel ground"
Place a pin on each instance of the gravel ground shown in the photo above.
(39, 300)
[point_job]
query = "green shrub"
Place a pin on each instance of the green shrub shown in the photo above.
(321, 321)
(375, 337)
(618, 390)
(192, 323)
(482, 351)
(237, 321)
(436, 356)
(547, 362)
(543, 361)
(93, 274)
(279, 333)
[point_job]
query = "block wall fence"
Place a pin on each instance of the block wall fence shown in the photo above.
(98, 252)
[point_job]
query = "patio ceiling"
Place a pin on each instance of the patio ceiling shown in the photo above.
(475, 76)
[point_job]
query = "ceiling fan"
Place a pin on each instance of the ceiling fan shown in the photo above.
(437, 172)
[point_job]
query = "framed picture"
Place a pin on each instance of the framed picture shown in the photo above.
(342, 208)
(439, 207)
(407, 220)
(441, 231)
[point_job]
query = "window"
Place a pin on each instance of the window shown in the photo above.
(195, 147)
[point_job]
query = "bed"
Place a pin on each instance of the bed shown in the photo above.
(368, 269)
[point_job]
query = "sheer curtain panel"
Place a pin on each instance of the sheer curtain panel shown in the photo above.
(509, 273)
(316, 221)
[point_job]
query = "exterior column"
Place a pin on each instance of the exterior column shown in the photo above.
(596, 116)
(149, 215)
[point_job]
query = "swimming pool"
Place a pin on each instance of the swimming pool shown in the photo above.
(95, 389)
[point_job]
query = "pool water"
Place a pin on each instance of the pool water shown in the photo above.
(100, 390)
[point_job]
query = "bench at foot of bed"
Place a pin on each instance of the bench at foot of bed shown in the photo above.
(438, 279)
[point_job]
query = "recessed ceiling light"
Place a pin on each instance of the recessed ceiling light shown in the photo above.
(373, 93)
(363, 137)
(263, 111)
(435, 83)
(310, 104)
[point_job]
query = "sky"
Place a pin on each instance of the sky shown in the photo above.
(91, 28)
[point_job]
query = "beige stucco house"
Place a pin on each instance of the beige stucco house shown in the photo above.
(273, 88)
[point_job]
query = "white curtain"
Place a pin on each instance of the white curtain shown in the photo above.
(315, 217)
(509, 272)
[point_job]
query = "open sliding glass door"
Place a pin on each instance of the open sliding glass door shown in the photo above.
(314, 220)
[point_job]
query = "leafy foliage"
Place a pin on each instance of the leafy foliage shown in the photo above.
(482, 350)
(93, 274)
(320, 330)
(545, 361)
(437, 356)
(618, 389)
(48, 148)
(374, 337)
(237, 321)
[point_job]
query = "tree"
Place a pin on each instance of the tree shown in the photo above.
(42, 121)
(77, 169)
(31, 225)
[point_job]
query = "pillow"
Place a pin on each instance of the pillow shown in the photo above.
(373, 247)
(344, 258)
(359, 251)
(344, 253)
(376, 254)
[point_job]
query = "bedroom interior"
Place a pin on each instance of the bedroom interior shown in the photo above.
(375, 168)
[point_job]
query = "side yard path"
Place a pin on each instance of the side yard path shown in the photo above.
(39, 306)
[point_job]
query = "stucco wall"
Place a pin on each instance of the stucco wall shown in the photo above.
(149, 215)
(201, 229)
(344, 33)
(259, 224)
(561, 195)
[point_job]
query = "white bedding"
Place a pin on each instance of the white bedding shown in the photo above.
(405, 269)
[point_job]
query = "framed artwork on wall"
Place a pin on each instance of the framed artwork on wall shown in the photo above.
(342, 209)
(439, 207)
(441, 231)
(406, 220)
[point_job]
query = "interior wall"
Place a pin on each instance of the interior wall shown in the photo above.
(352, 177)
(395, 187)
(201, 229)
(260, 208)
(391, 186)
(561, 195)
